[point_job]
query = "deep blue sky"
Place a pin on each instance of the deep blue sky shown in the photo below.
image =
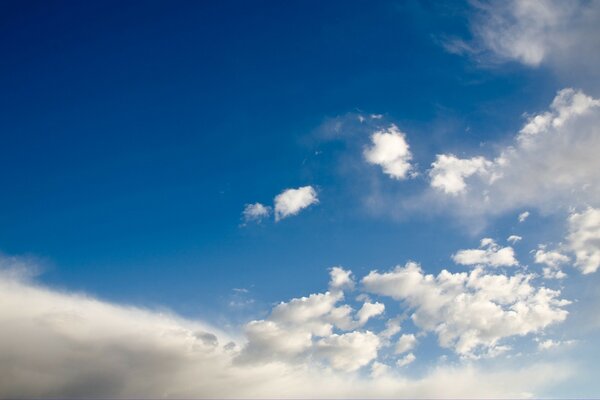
(133, 133)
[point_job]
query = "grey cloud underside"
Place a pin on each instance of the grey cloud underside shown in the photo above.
(64, 345)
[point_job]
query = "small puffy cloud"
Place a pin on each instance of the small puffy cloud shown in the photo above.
(390, 151)
(584, 239)
(552, 261)
(470, 312)
(407, 359)
(448, 172)
(292, 201)
(340, 279)
(489, 254)
(514, 239)
(255, 212)
(368, 311)
(405, 343)
(523, 216)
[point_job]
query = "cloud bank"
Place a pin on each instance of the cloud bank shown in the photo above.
(57, 344)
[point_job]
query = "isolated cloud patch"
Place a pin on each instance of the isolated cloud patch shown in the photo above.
(489, 254)
(390, 150)
(255, 212)
(292, 201)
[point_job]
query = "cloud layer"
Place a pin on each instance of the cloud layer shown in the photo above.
(57, 344)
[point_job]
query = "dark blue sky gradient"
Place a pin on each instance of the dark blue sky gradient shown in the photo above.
(133, 133)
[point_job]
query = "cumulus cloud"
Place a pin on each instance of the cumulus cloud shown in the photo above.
(584, 239)
(470, 312)
(448, 172)
(489, 254)
(390, 150)
(60, 345)
(255, 212)
(552, 164)
(405, 343)
(552, 261)
(304, 328)
(292, 201)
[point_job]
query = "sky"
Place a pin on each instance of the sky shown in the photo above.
(342, 199)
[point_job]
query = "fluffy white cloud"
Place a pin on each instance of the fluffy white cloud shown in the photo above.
(391, 152)
(489, 253)
(448, 172)
(61, 345)
(304, 327)
(470, 312)
(584, 239)
(514, 238)
(405, 343)
(407, 359)
(552, 164)
(553, 260)
(255, 212)
(292, 201)
(340, 279)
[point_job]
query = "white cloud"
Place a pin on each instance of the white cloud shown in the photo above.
(340, 279)
(255, 212)
(563, 34)
(407, 359)
(553, 260)
(551, 165)
(405, 343)
(514, 239)
(584, 239)
(70, 345)
(448, 172)
(489, 254)
(390, 151)
(304, 327)
(292, 201)
(470, 312)
(368, 311)
(523, 216)
(349, 351)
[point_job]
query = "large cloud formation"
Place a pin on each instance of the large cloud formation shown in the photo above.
(56, 344)
(470, 312)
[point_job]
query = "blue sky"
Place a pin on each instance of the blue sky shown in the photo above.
(138, 139)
